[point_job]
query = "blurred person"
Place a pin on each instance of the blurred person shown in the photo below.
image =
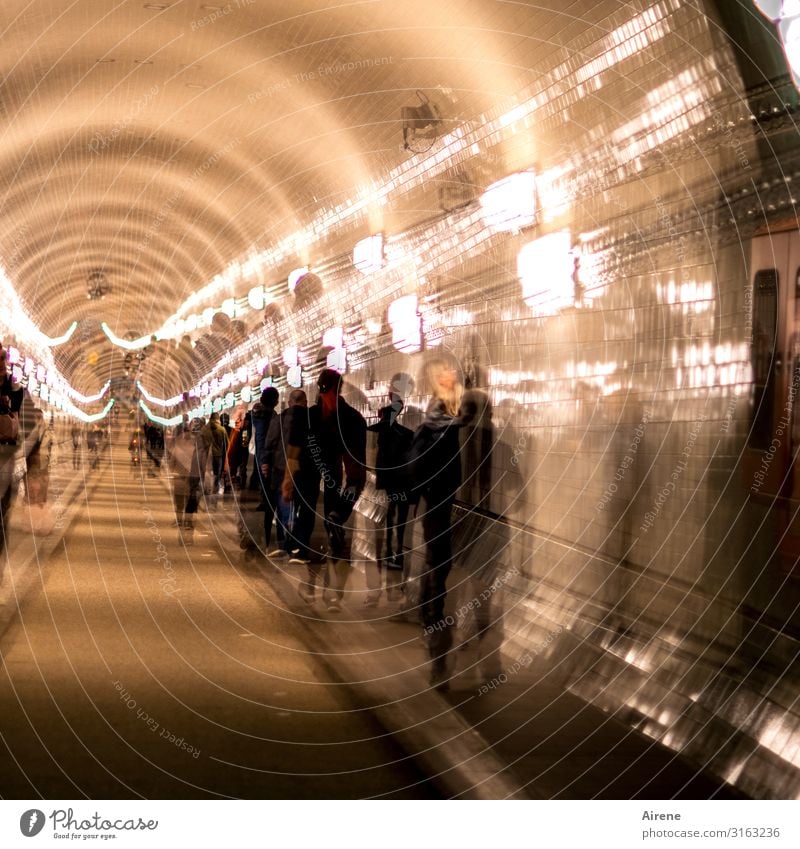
(216, 441)
(482, 538)
(237, 449)
(77, 438)
(11, 395)
(300, 488)
(134, 446)
(436, 470)
(274, 469)
(261, 416)
(185, 465)
(37, 475)
(93, 437)
(392, 478)
(336, 443)
(227, 483)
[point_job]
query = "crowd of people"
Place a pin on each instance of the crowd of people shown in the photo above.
(304, 468)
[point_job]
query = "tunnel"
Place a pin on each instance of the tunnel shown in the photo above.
(398, 400)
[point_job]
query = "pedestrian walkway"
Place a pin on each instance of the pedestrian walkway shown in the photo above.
(138, 661)
(518, 735)
(137, 665)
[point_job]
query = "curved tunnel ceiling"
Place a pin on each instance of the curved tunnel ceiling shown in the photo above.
(156, 143)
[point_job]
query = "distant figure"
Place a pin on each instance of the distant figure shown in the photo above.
(134, 447)
(11, 394)
(77, 438)
(92, 446)
(337, 444)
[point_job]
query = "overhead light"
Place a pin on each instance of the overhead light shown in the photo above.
(368, 254)
(509, 205)
(195, 85)
(294, 377)
(337, 359)
(333, 338)
(290, 355)
(294, 276)
(546, 269)
(255, 298)
(405, 321)
(156, 7)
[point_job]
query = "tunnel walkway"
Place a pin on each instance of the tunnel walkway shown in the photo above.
(142, 662)
(138, 666)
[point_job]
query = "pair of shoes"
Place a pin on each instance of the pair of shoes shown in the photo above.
(334, 606)
(298, 561)
(278, 553)
(189, 525)
(306, 594)
(372, 600)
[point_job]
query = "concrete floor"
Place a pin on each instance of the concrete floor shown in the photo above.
(141, 666)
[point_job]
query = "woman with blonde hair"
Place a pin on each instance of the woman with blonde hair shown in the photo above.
(436, 472)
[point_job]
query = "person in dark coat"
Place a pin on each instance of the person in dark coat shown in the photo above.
(337, 445)
(262, 415)
(392, 477)
(436, 471)
(277, 447)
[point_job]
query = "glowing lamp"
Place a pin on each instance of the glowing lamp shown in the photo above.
(294, 377)
(368, 254)
(295, 275)
(337, 359)
(405, 322)
(255, 298)
(545, 268)
(290, 356)
(510, 204)
(265, 382)
(333, 338)
(246, 394)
